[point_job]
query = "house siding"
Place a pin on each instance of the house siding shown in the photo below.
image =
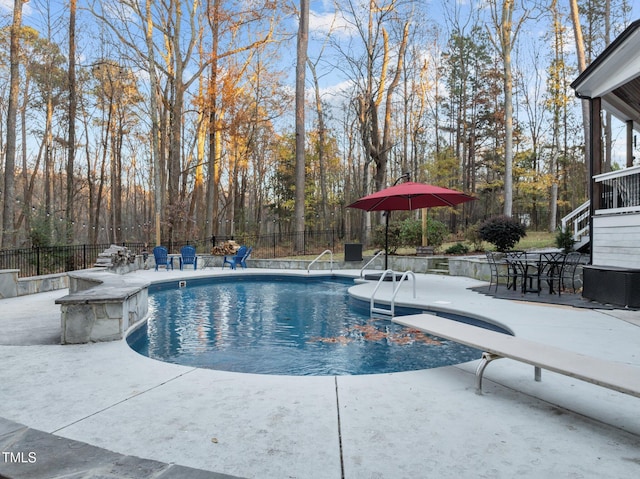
(616, 240)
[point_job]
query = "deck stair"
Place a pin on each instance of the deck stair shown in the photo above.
(578, 222)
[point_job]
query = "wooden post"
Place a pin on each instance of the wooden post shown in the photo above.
(629, 143)
(425, 240)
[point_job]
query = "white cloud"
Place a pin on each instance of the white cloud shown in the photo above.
(338, 88)
(330, 22)
(7, 5)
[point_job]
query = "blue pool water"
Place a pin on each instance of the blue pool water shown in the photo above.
(282, 325)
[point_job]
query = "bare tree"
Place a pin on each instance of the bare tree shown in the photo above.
(301, 63)
(504, 39)
(8, 236)
(557, 103)
(71, 153)
(582, 65)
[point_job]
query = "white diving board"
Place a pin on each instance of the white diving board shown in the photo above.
(620, 377)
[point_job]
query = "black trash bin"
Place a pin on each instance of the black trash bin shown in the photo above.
(353, 252)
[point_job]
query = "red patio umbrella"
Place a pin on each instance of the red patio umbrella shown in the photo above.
(408, 196)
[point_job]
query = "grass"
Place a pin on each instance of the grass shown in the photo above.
(537, 239)
(533, 240)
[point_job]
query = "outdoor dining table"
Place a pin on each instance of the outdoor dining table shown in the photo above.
(538, 266)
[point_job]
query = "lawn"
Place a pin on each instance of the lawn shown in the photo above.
(533, 240)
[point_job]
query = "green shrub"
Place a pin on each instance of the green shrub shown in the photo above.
(564, 240)
(472, 235)
(411, 232)
(40, 233)
(394, 237)
(502, 231)
(457, 248)
(437, 232)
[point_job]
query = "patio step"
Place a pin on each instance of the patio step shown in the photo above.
(442, 267)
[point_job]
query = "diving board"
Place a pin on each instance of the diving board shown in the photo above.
(620, 377)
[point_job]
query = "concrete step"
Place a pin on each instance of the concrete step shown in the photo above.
(438, 271)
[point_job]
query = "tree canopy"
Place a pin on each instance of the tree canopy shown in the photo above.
(182, 114)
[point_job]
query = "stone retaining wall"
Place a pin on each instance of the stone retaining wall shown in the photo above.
(416, 264)
(42, 284)
(11, 285)
(8, 283)
(100, 307)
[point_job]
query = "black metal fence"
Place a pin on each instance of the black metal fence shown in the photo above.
(39, 261)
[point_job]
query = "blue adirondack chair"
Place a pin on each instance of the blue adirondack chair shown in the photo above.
(188, 256)
(243, 260)
(238, 259)
(161, 256)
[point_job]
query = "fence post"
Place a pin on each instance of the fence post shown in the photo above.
(38, 261)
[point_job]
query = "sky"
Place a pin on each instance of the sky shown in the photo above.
(323, 19)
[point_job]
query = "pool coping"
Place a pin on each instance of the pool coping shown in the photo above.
(377, 413)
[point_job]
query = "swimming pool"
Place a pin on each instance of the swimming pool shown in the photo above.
(273, 324)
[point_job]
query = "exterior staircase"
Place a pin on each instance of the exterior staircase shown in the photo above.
(578, 222)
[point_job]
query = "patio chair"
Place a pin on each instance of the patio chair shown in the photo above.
(237, 259)
(550, 270)
(520, 269)
(568, 273)
(243, 261)
(499, 269)
(161, 257)
(188, 256)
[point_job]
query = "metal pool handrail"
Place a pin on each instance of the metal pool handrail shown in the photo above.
(391, 311)
(370, 261)
(320, 256)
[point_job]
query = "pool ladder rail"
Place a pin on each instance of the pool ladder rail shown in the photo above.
(376, 256)
(390, 312)
(320, 256)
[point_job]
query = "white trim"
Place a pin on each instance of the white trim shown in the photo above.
(617, 174)
(617, 211)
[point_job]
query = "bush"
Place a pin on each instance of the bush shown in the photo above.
(40, 233)
(564, 240)
(394, 237)
(437, 232)
(472, 235)
(410, 232)
(502, 231)
(457, 248)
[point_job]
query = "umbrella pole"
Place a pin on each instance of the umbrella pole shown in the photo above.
(386, 241)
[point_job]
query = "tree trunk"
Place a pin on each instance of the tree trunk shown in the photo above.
(8, 237)
(301, 55)
(155, 130)
(72, 122)
(212, 163)
(506, 43)
(582, 65)
(321, 146)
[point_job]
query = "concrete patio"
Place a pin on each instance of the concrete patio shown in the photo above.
(102, 410)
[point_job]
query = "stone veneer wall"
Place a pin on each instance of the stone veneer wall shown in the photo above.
(11, 285)
(42, 284)
(417, 264)
(100, 307)
(8, 283)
